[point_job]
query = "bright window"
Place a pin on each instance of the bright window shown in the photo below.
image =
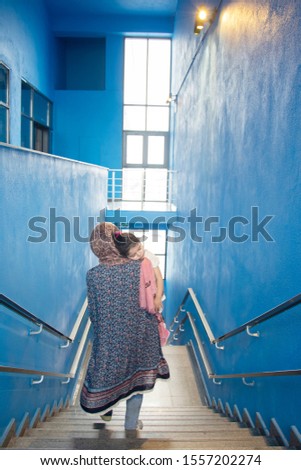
(154, 241)
(146, 112)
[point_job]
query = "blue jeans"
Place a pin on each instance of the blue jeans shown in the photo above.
(133, 406)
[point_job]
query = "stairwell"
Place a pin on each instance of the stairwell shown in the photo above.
(174, 417)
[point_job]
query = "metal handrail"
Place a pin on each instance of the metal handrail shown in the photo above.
(212, 375)
(41, 323)
(261, 318)
(18, 370)
(79, 319)
(71, 374)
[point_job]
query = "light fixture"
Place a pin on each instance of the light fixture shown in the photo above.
(204, 15)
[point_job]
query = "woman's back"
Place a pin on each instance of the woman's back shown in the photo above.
(126, 355)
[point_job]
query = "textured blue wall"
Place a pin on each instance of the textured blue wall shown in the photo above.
(48, 206)
(27, 48)
(237, 146)
(88, 124)
(43, 201)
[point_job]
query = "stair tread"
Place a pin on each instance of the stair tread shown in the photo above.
(149, 418)
(187, 427)
(174, 430)
(144, 434)
(144, 444)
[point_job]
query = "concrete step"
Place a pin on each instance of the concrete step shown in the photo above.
(191, 429)
(237, 434)
(254, 443)
(174, 426)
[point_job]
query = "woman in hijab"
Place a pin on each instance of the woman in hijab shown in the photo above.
(126, 357)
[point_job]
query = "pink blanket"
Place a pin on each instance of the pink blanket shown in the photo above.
(146, 297)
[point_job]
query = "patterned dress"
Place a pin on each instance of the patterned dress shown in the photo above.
(126, 353)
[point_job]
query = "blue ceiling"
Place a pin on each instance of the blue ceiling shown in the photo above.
(112, 7)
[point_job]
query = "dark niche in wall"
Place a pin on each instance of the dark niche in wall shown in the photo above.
(81, 64)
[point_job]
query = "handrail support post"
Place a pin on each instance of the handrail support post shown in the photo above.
(257, 334)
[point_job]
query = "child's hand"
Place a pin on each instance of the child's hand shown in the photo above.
(158, 304)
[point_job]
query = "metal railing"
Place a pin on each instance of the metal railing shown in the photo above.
(140, 185)
(45, 326)
(42, 373)
(41, 324)
(245, 327)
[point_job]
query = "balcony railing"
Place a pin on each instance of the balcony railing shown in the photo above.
(144, 185)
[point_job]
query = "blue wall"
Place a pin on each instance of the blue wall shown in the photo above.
(237, 146)
(47, 275)
(36, 191)
(88, 124)
(44, 262)
(27, 48)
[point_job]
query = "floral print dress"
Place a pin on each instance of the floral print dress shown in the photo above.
(126, 355)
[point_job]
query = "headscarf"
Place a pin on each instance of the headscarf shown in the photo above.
(102, 244)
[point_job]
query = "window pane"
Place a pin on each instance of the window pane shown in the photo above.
(158, 118)
(155, 150)
(41, 138)
(49, 123)
(155, 241)
(155, 185)
(162, 260)
(135, 71)
(158, 71)
(26, 96)
(134, 149)
(25, 132)
(132, 184)
(3, 84)
(40, 108)
(3, 124)
(134, 118)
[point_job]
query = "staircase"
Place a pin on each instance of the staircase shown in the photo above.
(173, 417)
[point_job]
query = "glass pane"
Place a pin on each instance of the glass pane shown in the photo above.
(41, 138)
(49, 123)
(158, 71)
(158, 118)
(155, 185)
(139, 234)
(26, 96)
(134, 118)
(40, 109)
(3, 124)
(3, 84)
(25, 132)
(162, 260)
(155, 150)
(135, 71)
(132, 184)
(155, 241)
(134, 149)
(38, 138)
